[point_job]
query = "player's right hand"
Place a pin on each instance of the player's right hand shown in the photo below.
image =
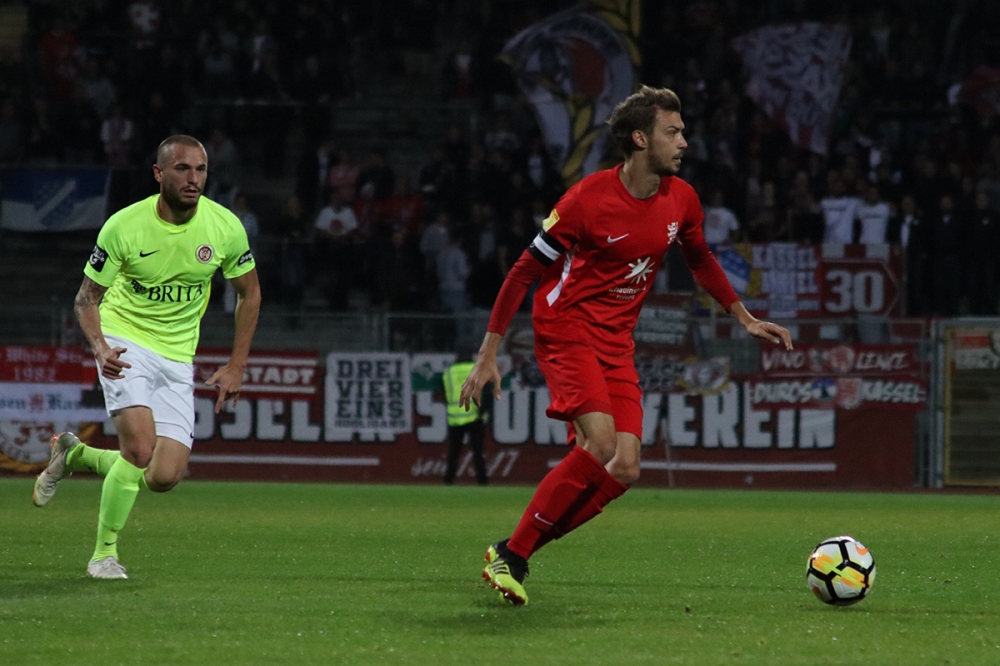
(109, 360)
(484, 371)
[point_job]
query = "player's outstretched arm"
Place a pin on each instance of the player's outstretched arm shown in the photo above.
(85, 305)
(764, 330)
(483, 372)
(229, 378)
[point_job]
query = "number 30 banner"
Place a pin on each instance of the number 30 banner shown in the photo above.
(796, 280)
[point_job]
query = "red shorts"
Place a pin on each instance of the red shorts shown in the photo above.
(580, 383)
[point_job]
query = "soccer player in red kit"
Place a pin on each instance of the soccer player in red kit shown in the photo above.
(596, 257)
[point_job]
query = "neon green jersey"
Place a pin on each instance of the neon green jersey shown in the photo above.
(159, 274)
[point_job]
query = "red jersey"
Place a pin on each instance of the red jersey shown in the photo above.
(601, 248)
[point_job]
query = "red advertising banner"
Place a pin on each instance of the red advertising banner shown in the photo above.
(712, 437)
(800, 280)
(840, 376)
(46, 365)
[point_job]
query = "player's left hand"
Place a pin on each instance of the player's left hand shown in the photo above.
(771, 332)
(228, 379)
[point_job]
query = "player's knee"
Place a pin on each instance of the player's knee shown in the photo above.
(625, 473)
(602, 448)
(161, 482)
(140, 456)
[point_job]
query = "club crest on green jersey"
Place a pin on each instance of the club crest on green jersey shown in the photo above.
(205, 253)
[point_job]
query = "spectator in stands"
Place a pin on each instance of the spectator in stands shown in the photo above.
(770, 222)
(223, 175)
(312, 174)
(517, 234)
(805, 218)
(982, 248)
(156, 122)
(117, 133)
(520, 192)
(436, 178)
(873, 214)
(265, 78)
(379, 173)
(336, 259)
(396, 278)
(241, 209)
(344, 175)
(316, 87)
(294, 228)
(45, 145)
(144, 23)
(81, 127)
(336, 220)
(720, 225)
(946, 247)
(97, 88)
(249, 220)
(908, 229)
(928, 187)
(60, 59)
(839, 211)
(368, 211)
(434, 239)
(539, 168)
(453, 272)
(218, 67)
(405, 209)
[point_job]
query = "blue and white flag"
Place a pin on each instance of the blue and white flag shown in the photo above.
(54, 199)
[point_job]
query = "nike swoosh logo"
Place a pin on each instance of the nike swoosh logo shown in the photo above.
(110, 544)
(615, 240)
(538, 517)
(146, 254)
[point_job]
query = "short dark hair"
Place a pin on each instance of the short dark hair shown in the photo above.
(638, 112)
(175, 140)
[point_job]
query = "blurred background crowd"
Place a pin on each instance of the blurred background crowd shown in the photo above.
(380, 154)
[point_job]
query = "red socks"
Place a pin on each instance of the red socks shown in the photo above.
(576, 490)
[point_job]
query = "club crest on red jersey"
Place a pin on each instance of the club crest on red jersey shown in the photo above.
(672, 230)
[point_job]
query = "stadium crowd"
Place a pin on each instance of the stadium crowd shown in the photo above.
(103, 81)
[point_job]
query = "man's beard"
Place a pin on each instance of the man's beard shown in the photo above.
(663, 169)
(174, 202)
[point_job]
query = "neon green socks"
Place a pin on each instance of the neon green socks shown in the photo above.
(83, 458)
(121, 485)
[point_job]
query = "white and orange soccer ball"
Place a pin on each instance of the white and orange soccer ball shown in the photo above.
(841, 571)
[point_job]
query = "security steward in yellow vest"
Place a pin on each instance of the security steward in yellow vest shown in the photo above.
(464, 427)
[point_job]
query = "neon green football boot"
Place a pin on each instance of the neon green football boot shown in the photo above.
(505, 572)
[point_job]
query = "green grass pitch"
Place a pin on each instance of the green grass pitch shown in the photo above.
(256, 573)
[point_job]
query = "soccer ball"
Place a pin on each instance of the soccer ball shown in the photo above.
(841, 571)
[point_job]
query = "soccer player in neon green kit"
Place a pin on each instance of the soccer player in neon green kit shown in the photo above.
(145, 289)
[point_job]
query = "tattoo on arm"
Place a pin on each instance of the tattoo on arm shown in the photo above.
(90, 295)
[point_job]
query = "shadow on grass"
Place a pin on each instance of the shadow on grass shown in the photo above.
(64, 586)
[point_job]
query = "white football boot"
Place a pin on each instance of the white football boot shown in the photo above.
(48, 480)
(107, 568)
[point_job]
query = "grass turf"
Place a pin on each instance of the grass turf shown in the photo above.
(251, 573)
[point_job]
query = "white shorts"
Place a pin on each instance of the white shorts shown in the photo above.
(165, 386)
